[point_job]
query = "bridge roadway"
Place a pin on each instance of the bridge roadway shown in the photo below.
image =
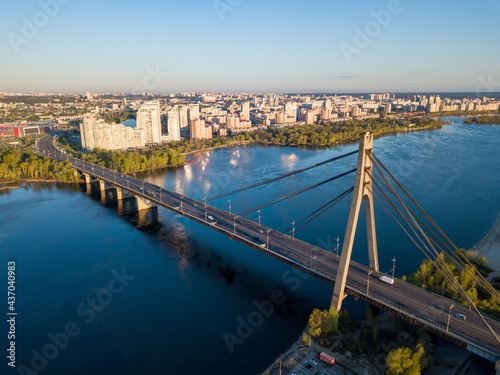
(412, 303)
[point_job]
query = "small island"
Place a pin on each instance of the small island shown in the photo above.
(483, 120)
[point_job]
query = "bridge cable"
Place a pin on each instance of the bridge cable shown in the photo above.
(457, 253)
(282, 176)
(297, 192)
(459, 289)
(413, 223)
(330, 204)
(469, 269)
(445, 271)
(435, 259)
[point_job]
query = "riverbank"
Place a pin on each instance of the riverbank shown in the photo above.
(489, 247)
(12, 184)
(448, 358)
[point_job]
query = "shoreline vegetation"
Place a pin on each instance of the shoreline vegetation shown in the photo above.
(483, 120)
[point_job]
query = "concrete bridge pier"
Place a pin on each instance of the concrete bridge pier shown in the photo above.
(105, 191)
(147, 212)
(88, 181)
(125, 201)
(147, 217)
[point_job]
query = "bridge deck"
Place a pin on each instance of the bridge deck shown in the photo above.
(404, 299)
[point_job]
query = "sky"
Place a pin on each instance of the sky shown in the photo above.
(265, 46)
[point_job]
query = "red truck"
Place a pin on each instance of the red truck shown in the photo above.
(328, 359)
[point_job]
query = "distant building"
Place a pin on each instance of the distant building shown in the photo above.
(97, 133)
(148, 119)
(174, 129)
(22, 130)
(199, 130)
(245, 110)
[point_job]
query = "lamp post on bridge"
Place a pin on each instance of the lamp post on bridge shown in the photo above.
(393, 266)
(205, 204)
(293, 229)
(449, 317)
(229, 206)
(267, 241)
(259, 217)
(181, 201)
(312, 251)
(368, 282)
(234, 232)
(338, 239)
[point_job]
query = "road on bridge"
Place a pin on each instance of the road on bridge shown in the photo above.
(416, 303)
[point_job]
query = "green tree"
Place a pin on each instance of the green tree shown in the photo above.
(322, 323)
(402, 361)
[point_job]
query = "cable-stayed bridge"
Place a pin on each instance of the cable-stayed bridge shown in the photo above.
(478, 332)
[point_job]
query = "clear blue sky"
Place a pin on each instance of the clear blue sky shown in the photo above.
(258, 46)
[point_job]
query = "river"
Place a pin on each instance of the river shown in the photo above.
(169, 301)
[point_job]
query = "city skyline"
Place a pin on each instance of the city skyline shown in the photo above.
(241, 46)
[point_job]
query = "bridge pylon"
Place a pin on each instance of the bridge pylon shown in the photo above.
(363, 190)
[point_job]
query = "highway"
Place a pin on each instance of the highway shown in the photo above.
(416, 304)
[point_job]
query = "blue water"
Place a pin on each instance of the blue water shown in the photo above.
(191, 287)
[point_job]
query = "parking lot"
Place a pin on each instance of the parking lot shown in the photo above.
(319, 369)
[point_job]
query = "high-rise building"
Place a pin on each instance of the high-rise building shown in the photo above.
(199, 130)
(245, 110)
(96, 133)
(184, 120)
(194, 112)
(291, 109)
(174, 129)
(148, 119)
(232, 122)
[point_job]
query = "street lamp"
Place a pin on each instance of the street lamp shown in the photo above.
(338, 239)
(181, 202)
(393, 266)
(230, 206)
(234, 225)
(293, 229)
(205, 201)
(312, 251)
(267, 241)
(449, 317)
(259, 217)
(368, 282)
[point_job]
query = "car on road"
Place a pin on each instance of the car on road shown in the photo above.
(210, 217)
(461, 316)
(261, 231)
(313, 362)
(308, 366)
(195, 205)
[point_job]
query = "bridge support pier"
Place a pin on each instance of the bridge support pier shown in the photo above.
(122, 198)
(363, 190)
(147, 212)
(88, 185)
(105, 191)
(102, 187)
